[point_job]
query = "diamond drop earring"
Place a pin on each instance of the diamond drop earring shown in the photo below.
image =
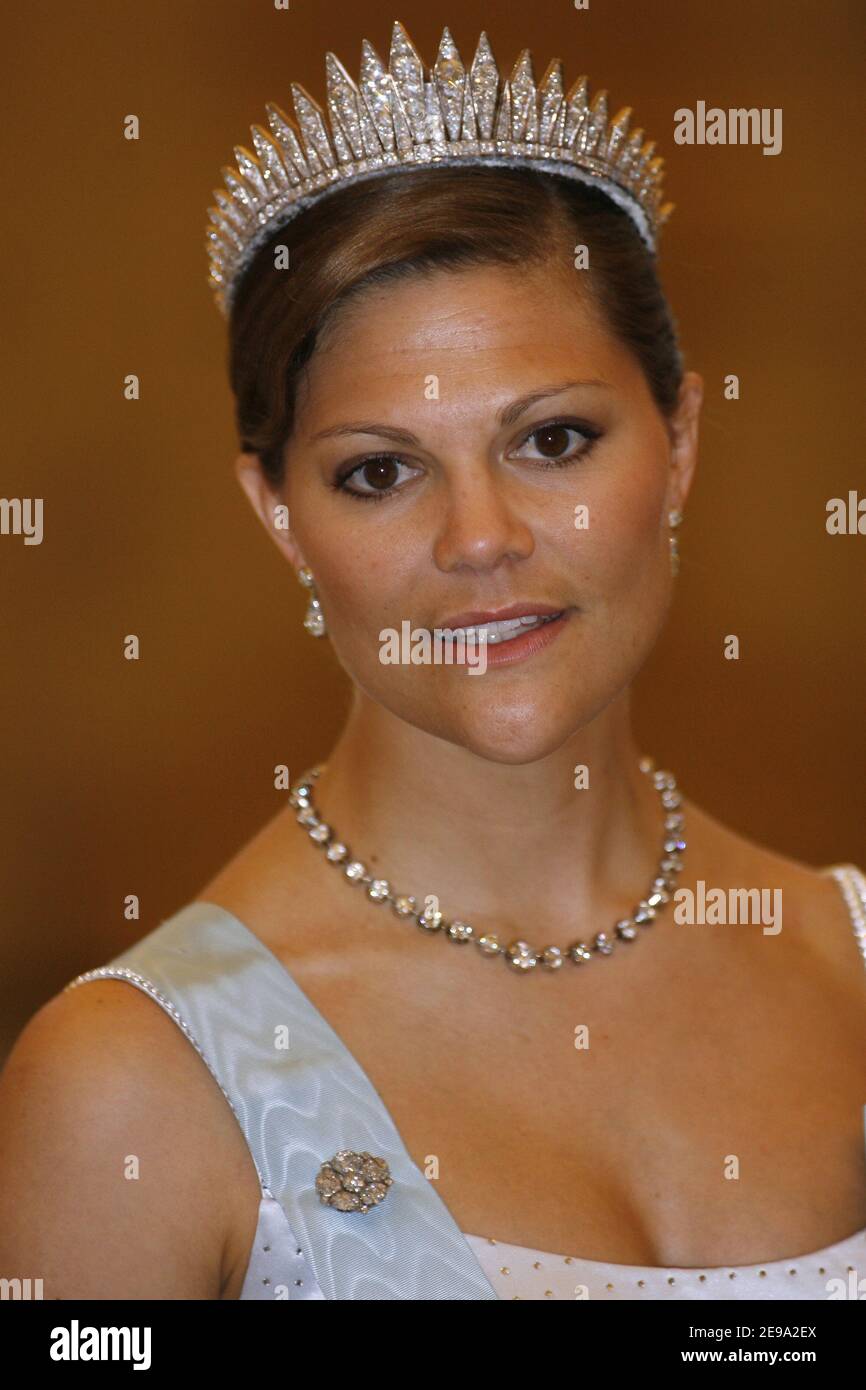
(674, 519)
(314, 618)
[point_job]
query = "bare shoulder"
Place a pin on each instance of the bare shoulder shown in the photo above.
(268, 886)
(115, 1146)
(817, 920)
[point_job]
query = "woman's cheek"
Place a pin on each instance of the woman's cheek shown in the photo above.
(633, 532)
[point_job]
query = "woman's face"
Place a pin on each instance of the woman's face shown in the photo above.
(449, 430)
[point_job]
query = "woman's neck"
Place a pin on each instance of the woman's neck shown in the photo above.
(510, 848)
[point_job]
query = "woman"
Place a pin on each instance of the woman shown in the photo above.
(465, 422)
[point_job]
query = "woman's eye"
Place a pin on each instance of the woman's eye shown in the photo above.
(554, 443)
(373, 477)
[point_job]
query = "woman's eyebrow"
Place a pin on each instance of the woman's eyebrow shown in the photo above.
(507, 416)
(512, 412)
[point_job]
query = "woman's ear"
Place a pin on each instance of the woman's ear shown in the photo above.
(684, 438)
(268, 506)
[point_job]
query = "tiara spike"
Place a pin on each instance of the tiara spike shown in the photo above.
(551, 98)
(484, 82)
(436, 136)
(469, 126)
(557, 134)
(345, 118)
(502, 128)
(639, 171)
(240, 192)
(273, 168)
(449, 75)
(224, 227)
(629, 155)
(377, 92)
(654, 168)
(216, 248)
(249, 169)
(524, 109)
(401, 118)
(219, 244)
(314, 134)
(290, 146)
(616, 135)
(229, 209)
(530, 136)
(576, 109)
(402, 128)
(591, 134)
(407, 73)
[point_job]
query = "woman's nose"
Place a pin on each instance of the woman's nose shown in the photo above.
(481, 523)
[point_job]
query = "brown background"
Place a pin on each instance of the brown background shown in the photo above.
(144, 776)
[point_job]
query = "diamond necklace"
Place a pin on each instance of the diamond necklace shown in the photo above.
(519, 954)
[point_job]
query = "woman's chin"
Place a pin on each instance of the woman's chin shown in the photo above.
(514, 734)
(512, 723)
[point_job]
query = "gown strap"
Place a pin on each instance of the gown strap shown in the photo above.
(852, 883)
(300, 1097)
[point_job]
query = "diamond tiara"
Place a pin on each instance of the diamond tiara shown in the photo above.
(400, 120)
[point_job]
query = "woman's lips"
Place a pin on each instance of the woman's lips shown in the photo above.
(526, 641)
(476, 617)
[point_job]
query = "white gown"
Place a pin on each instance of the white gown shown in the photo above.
(225, 990)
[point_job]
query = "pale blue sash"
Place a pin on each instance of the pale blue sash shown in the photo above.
(297, 1106)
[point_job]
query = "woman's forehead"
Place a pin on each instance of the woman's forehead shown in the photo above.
(446, 320)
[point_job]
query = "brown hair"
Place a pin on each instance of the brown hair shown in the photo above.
(397, 224)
